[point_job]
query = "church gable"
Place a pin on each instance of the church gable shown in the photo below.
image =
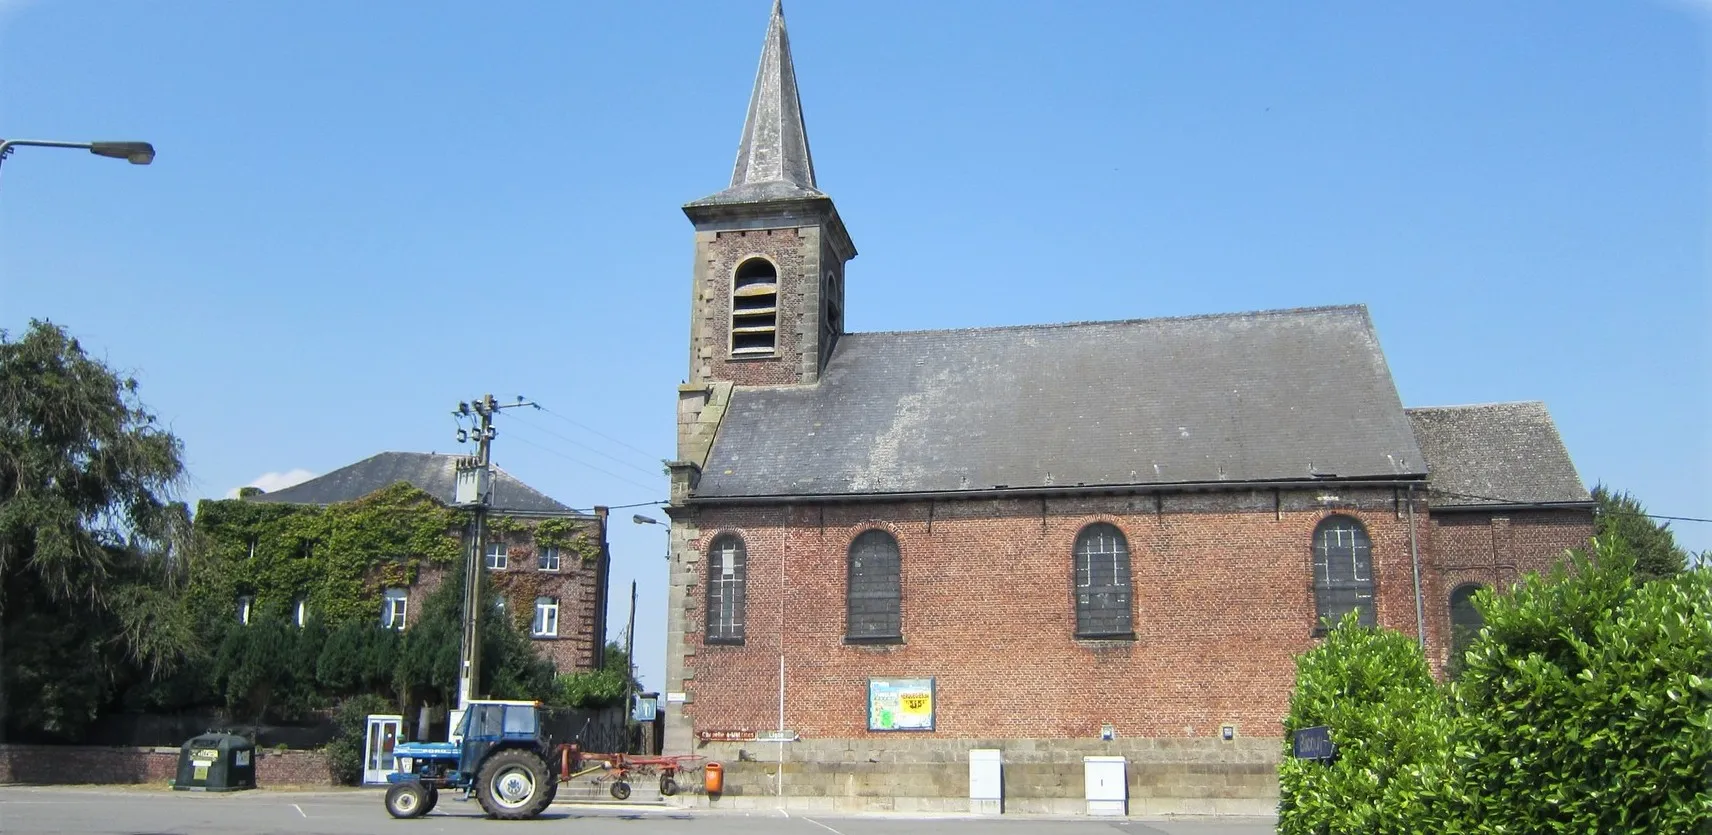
(1295, 395)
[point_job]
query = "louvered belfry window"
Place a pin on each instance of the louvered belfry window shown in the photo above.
(1103, 594)
(1343, 572)
(754, 308)
(875, 590)
(726, 567)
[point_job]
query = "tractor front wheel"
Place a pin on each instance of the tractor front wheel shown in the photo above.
(514, 785)
(433, 798)
(407, 800)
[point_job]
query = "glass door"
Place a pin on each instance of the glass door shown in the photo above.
(378, 743)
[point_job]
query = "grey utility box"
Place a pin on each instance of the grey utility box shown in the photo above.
(986, 781)
(216, 763)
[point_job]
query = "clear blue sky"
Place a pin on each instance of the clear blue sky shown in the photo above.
(363, 213)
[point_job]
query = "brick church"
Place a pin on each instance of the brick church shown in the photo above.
(1081, 531)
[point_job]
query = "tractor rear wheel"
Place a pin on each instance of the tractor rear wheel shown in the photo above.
(407, 800)
(514, 784)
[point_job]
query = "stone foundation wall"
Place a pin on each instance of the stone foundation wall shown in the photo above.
(84, 765)
(1165, 776)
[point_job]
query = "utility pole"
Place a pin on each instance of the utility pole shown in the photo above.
(474, 489)
(630, 669)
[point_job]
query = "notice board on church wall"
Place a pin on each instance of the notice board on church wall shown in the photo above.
(900, 704)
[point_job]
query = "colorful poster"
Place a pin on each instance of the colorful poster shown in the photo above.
(900, 704)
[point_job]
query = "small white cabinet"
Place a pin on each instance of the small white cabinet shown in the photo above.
(986, 781)
(1107, 785)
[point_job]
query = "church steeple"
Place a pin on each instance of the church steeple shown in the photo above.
(773, 159)
(770, 249)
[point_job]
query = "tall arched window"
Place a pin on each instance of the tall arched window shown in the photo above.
(875, 592)
(726, 565)
(1343, 572)
(1465, 620)
(754, 307)
(1103, 595)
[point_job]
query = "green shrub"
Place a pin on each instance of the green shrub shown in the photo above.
(1586, 704)
(345, 751)
(1389, 720)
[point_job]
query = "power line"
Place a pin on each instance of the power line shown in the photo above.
(583, 463)
(651, 456)
(1550, 505)
(576, 442)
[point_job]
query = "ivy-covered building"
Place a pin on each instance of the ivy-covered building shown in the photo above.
(374, 539)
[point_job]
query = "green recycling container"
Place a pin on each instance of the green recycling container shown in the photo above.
(216, 763)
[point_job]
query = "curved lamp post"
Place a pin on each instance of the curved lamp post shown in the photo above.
(138, 153)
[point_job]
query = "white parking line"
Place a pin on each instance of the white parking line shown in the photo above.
(299, 810)
(823, 826)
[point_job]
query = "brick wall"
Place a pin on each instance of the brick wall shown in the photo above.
(76, 765)
(1494, 549)
(576, 585)
(796, 253)
(1223, 601)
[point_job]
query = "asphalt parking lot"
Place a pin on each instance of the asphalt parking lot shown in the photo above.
(128, 811)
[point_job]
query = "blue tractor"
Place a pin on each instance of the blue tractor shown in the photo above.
(498, 752)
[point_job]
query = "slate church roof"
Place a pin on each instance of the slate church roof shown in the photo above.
(1289, 395)
(1495, 454)
(433, 473)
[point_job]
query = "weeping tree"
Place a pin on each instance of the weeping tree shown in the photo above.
(92, 543)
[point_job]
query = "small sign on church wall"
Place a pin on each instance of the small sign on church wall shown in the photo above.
(900, 704)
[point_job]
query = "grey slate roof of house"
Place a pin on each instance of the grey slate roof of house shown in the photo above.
(433, 473)
(1266, 396)
(1505, 451)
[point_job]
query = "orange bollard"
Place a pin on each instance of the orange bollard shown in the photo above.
(715, 780)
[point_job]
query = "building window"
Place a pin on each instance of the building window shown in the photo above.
(548, 558)
(498, 556)
(1104, 607)
(1343, 572)
(1465, 619)
(546, 623)
(394, 606)
(875, 590)
(726, 563)
(754, 307)
(300, 612)
(245, 603)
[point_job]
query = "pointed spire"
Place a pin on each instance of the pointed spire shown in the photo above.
(775, 142)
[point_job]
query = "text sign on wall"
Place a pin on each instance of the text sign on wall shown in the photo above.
(900, 704)
(1314, 744)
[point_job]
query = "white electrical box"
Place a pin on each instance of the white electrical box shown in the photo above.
(1107, 785)
(986, 781)
(471, 485)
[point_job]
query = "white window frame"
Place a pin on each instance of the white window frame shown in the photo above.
(245, 604)
(395, 608)
(497, 557)
(546, 623)
(548, 558)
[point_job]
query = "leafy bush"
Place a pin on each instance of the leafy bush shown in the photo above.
(345, 751)
(1586, 705)
(595, 688)
(1374, 690)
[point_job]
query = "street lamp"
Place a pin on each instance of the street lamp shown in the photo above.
(643, 520)
(137, 153)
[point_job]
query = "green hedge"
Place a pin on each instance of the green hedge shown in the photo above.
(1584, 705)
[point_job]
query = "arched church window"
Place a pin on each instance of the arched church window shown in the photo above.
(1103, 593)
(1465, 619)
(1343, 572)
(726, 570)
(874, 594)
(754, 308)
